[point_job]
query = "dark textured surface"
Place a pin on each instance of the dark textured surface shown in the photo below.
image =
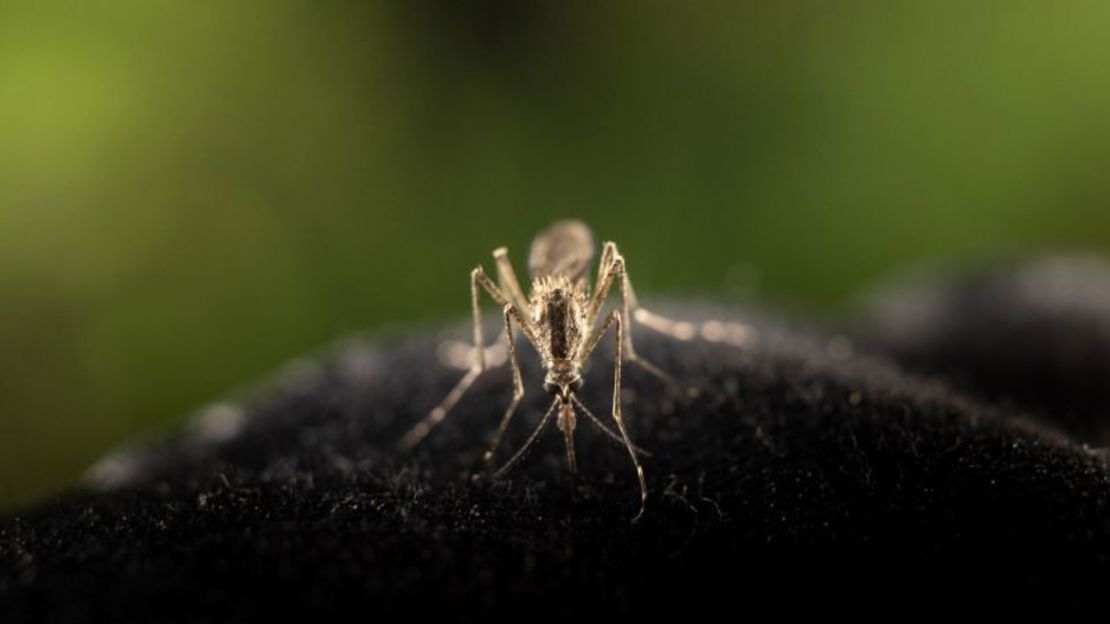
(808, 476)
(1033, 335)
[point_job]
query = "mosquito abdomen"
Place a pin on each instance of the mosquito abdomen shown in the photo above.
(565, 248)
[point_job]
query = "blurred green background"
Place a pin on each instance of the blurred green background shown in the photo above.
(192, 193)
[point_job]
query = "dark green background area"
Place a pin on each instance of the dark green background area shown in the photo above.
(193, 193)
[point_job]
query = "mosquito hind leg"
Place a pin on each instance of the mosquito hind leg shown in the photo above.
(612, 267)
(631, 307)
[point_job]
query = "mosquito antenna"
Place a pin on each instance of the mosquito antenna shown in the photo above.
(606, 429)
(519, 455)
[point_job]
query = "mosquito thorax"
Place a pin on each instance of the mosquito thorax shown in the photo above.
(558, 311)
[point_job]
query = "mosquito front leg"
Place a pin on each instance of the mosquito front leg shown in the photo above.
(506, 277)
(614, 317)
(605, 277)
(424, 427)
(510, 313)
(602, 274)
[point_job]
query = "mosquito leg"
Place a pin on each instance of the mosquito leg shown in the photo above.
(527, 443)
(614, 317)
(518, 389)
(605, 277)
(606, 429)
(679, 330)
(506, 277)
(628, 304)
(424, 427)
(715, 331)
(421, 429)
(615, 267)
(620, 421)
(503, 300)
(603, 268)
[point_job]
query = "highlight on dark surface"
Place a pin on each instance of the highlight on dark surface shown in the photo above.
(812, 465)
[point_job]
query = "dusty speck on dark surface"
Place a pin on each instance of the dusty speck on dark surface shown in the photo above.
(811, 473)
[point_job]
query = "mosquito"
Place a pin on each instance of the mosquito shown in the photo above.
(560, 319)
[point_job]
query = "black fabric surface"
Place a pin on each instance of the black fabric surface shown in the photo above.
(810, 475)
(1032, 335)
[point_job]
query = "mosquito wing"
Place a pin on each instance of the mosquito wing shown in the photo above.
(564, 248)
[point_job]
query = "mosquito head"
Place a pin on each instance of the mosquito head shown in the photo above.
(562, 388)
